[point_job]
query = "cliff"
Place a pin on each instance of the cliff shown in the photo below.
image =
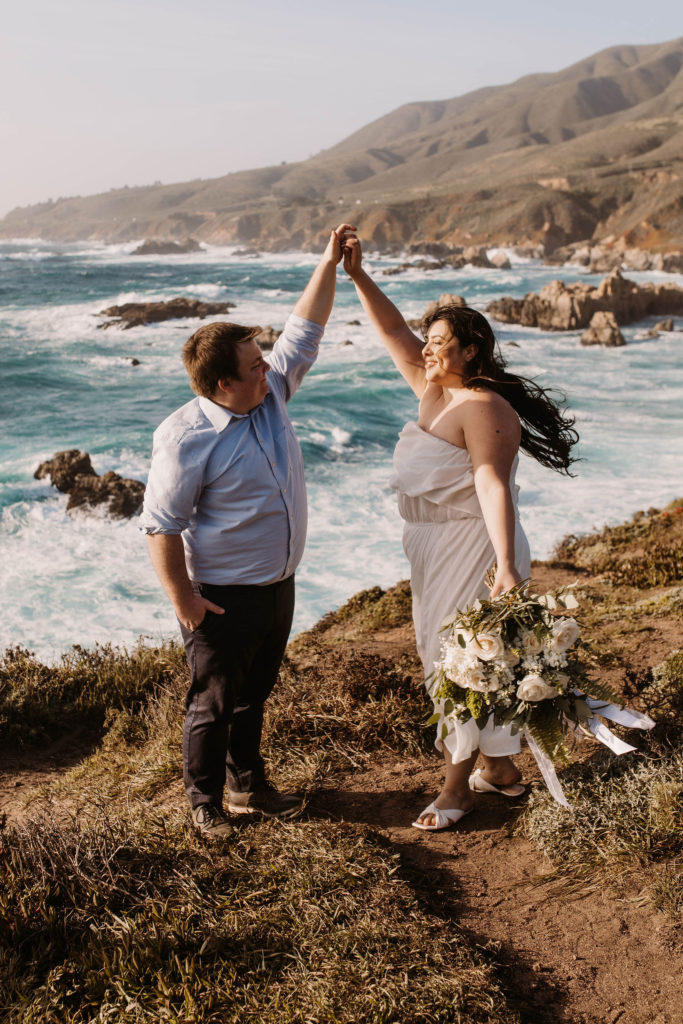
(114, 907)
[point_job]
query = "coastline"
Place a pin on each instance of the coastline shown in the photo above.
(87, 580)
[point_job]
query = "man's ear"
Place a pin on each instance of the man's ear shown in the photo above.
(225, 385)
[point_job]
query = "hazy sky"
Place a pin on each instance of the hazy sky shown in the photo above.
(104, 93)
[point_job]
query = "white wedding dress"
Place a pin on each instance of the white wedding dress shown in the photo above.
(448, 547)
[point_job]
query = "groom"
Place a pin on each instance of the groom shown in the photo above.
(225, 517)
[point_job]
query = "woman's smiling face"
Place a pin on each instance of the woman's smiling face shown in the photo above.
(444, 359)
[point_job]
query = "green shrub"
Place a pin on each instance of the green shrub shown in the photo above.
(37, 700)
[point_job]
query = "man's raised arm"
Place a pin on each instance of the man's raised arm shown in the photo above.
(316, 300)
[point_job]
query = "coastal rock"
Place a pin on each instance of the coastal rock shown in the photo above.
(456, 262)
(562, 307)
(477, 256)
(416, 265)
(672, 262)
(603, 260)
(267, 337)
(64, 467)
(137, 314)
(122, 496)
(530, 250)
(72, 473)
(160, 247)
(445, 299)
(437, 249)
(638, 259)
(500, 261)
(449, 299)
(664, 325)
(603, 330)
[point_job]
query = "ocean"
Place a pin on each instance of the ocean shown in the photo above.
(84, 578)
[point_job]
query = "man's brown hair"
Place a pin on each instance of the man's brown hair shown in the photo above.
(210, 355)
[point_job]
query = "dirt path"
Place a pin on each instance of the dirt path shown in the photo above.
(562, 959)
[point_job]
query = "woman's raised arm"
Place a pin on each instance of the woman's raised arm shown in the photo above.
(404, 347)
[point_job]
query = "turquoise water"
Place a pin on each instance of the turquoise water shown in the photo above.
(65, 384)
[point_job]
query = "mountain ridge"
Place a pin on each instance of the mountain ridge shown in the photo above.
(593, 151)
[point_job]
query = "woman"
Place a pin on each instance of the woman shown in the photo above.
(454, 472)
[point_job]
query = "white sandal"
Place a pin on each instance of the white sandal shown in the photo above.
(479, 785)
(445, 817)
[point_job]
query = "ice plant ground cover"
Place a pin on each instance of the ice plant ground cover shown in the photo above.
(519, 658)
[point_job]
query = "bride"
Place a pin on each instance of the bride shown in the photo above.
(454, 473)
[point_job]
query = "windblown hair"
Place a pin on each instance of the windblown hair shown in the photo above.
(548, 434)
(210, 355)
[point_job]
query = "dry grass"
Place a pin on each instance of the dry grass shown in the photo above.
(647, 552)
(128, 916)
(626, 819)
(369, 610)
(39, 701)
(137, 920)
(331, 715)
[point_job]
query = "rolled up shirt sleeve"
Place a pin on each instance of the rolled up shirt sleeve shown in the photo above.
(176, 479)
(295, 351)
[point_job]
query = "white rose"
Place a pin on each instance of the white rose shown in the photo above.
(565, 633)
(533, 687)
(487, 646)
(511, 659)
(475, 678)
(531, 643)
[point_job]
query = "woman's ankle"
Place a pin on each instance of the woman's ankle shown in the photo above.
(501, 771)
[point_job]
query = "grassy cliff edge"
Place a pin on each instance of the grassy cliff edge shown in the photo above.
(114, 910)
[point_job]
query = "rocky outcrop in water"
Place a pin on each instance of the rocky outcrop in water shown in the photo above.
(160, 247)
(72, 473)
(137, 314)
(568, 307)
(267, 337)
(603, 330)
(602, 258)
(445, 299)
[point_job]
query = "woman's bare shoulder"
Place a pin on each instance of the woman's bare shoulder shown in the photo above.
(488, 399)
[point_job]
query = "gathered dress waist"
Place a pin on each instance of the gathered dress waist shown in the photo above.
(417, 509)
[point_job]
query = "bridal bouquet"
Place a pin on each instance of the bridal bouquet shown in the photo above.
(521, 659)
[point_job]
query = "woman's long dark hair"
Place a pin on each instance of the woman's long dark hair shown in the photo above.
(548, 434)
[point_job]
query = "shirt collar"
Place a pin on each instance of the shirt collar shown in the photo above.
(217, 415)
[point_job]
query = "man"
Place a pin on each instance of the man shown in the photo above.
(225, 514)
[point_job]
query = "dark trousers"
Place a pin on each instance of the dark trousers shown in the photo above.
(234, 659)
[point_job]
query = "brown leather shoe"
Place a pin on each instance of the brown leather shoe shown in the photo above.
(265, 800)
(212, 821)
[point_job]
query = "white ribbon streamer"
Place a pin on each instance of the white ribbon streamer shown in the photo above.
(622, 716)
(602, 733)
(547, 771)
(613, 713)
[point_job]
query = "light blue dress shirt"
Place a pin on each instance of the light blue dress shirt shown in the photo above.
(233, 485)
